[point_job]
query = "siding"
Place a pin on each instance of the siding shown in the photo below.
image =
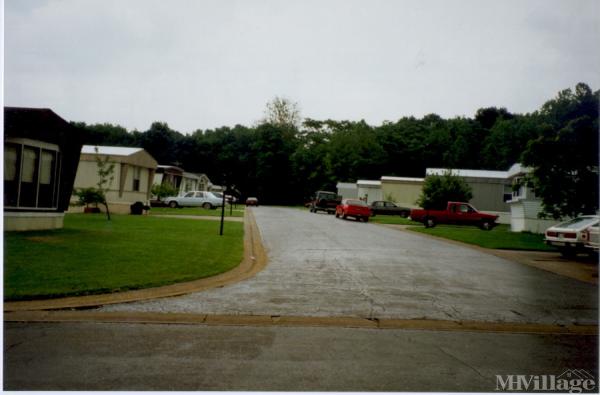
(402, 193)
(372, 193)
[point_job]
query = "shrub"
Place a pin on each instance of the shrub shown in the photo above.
(87, 196)
(439, 190)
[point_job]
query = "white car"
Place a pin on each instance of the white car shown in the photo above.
(202, 199)
(591, 238)
(570, 237)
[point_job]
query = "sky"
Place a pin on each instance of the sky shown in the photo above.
(202, 64)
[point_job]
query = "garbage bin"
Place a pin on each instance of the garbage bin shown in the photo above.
(137, 208)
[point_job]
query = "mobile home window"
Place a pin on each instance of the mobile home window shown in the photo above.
(137, 175)
(30, 176)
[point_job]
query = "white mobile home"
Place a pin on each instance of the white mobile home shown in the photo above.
(369, 190)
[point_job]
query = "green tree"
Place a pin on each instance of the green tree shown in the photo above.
(163, 190)
(438, 190)
(565, 156)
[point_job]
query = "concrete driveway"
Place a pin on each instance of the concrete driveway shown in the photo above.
(322, 266)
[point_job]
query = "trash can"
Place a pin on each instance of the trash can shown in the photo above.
(138, 208)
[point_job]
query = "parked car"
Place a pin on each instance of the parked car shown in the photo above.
(591, 238)
(457, 213)
(325, 201)
(353, 208)
(208, 200)
(252, 201)
(382, 207)
(571, 237)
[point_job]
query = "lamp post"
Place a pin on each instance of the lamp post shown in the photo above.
(222, 210)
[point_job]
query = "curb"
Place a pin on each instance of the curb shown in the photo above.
(255, 259)
(65, 316)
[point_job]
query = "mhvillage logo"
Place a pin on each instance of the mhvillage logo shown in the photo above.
(571, 380)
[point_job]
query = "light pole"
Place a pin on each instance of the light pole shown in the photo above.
(223, 210)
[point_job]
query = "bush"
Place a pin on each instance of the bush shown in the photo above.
(439, 190)
(163, 190)
(87, 196)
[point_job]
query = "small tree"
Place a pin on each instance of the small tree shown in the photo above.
(163, 190)
(439, 190)
(106, 176)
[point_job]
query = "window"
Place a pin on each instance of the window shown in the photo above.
(31, 175)
(463, 208)
(11, 174)
(189, 194)
(517, 187)
(199, 194)
(137, 175)
(46, 195)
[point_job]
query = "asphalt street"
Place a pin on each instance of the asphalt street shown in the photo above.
(323, 266)
(92, 356)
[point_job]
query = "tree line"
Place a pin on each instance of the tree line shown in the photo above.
(283, 161)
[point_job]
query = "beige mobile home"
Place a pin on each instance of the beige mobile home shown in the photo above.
(404, 191)
(133, 175)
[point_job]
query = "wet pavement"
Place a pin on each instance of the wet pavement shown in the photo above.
(323, 266)
(91, 356)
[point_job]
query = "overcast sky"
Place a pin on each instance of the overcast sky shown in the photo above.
(203, 64)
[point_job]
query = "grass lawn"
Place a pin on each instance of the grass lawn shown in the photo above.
(92, 255)
(237, 211)
(498, 238)
(392, 220)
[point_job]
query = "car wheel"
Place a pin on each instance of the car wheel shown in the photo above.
(404, 214)
(344, 216)
(366, 219)
(337, 215)
(429, 222)
(207, 206)
(173, 204)
(486, 225)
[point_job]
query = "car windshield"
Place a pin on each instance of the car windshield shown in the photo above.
(356, 202)
(579, 222)
(328, 196)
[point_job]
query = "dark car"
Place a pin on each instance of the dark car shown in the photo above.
(383, 207)
(325, 201)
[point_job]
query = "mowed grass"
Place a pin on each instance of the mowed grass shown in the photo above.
(498, 238)
(392, 220)
(92, 255)
(198, 211)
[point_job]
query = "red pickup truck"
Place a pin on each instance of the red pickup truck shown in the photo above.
(456, 213)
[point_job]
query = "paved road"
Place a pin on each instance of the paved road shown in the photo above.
(322, 266)
(93, 356)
